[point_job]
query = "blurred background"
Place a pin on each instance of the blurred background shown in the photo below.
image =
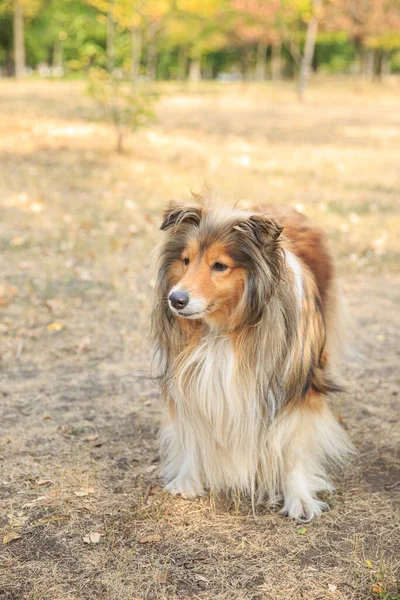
(109, 108)
(227, 40)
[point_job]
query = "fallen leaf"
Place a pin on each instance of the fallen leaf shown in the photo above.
(10, 537)
(377, 588)
(92, 538)
(91, 438)
(45, 482)
(332, 587)
(84, 492)
(301, 531)
(150, 539)
(56, 326)
(55, 305)
(162, 577)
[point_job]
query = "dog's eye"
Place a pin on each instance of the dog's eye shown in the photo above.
(186, 261)
(219, 266)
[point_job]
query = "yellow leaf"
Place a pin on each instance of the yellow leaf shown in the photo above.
(10, 537)
(56, 326)
(368, 563)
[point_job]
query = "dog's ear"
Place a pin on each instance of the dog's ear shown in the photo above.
(260, 228)
(176, 213)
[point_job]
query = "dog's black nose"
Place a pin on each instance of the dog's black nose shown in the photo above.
(179, 299)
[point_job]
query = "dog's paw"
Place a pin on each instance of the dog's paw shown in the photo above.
(185, 487)
(303, 509)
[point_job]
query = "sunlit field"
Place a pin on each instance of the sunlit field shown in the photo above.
(84, 515)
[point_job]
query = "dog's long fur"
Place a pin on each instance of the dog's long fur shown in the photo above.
(245, 384)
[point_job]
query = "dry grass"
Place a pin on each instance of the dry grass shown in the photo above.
(79, 414)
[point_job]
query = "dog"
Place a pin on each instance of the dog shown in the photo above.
(246, 323)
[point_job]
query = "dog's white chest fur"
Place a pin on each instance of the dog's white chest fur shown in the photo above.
(218, 418)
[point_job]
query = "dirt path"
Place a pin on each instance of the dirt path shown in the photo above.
(79, 413)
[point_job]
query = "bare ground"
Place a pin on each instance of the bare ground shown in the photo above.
(79, 413)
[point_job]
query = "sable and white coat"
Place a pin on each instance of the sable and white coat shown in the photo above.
(246, 322)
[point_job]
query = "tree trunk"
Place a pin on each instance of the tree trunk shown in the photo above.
(245, 64)
(276, 62)
(378, 63)
(152, 59)
(261, 62)
(386, 62)
(358, 45)
(368, 63)
(136, 40)
(58, 57)
(19, 43)
(110, 37)
(195, 70)
(182, 63)
(309, 48)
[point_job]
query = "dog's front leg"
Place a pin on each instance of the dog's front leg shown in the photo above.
(180, 465)
(303, 440)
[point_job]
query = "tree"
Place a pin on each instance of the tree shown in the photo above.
(197, 28)
(309, 48)
(19, 43)
(127, 106)
(373, 27)
(20, 9)
(295, 16)
(257, 24)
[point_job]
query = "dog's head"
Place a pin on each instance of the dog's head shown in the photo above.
(219, 265)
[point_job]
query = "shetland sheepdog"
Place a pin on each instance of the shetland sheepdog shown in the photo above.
(246, 322)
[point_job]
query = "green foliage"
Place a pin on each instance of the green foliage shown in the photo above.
(5, 37)
(396, 62)
(334, 53)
